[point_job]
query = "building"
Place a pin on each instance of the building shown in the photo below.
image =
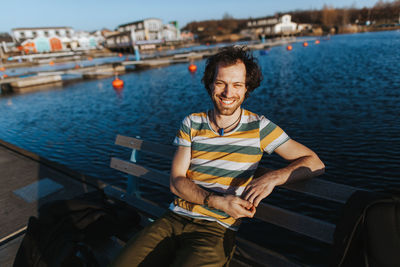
(83, 40)
(119, 41)
(270, 26)
(6, 43)
(171, 32)
(52, 39)
(43, 39)
(144, 34)
(187, 36)
(143, 30)
(22, 34)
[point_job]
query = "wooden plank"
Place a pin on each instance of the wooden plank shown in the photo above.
(323, 189)
(308, 226)
(91, 181)
(148, 174)
(305, 225)
(18, 172)
(147, 146)
(144, 205)
(9, 250)
(13, 235)
(314, 187)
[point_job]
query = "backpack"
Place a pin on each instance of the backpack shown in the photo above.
(368, 231)
(66, 231)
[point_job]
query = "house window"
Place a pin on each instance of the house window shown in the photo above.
(22, 34)
(57, 33)
(46, 33)
(34, 34)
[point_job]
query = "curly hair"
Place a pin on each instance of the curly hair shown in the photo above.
(229, 56)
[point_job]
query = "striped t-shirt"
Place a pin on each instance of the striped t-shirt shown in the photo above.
(224, 164)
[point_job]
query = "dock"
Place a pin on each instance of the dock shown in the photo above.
(46, 79)
(27, 182)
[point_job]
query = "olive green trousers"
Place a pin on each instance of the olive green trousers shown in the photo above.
(176, 240)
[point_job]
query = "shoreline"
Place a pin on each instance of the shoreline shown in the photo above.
(46, 79)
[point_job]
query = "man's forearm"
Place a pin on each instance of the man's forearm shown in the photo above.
(187, 190)
(230, 204)
(300, 169)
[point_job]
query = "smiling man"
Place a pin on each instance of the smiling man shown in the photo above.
(212, 172)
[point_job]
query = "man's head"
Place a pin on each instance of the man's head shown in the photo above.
(229, 56)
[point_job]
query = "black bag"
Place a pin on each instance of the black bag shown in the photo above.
(67, 231)
(368, 232)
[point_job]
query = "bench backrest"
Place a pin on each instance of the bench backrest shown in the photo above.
(308, 226)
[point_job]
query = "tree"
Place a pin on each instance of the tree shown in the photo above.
(227, 16)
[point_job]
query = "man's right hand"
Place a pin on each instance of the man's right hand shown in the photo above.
(233, 205)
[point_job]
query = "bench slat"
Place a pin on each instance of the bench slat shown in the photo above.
(147, 146)
(315, 187)
(322, 189)
(148, 207)
(148, 174)
(305, 225)
(308, 226)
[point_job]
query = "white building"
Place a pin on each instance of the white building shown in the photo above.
(144, 34)
(144, 30)
(170, 33)
(271, 26)
(22, 34)
(48, 39)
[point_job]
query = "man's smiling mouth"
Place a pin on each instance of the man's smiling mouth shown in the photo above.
(226, 102)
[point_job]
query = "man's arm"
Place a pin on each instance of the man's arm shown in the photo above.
(185, 188)
(304, 164)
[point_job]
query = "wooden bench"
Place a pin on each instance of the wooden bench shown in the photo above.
(247, 253)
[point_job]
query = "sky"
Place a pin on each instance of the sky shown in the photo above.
(90, 15)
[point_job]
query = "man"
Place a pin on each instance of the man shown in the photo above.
(212, 172)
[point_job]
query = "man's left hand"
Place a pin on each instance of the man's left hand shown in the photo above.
(260, 188)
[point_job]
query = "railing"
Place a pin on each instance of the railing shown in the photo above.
(305, 225)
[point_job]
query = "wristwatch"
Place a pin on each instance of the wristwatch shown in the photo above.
(207, 198)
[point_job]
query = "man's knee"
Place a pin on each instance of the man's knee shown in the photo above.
(149, 246)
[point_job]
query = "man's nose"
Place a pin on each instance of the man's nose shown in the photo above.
(228, 90)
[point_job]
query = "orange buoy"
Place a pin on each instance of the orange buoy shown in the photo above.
(192, 68)
(2, 69)
(90, 58)
(5, 75)
(118, 84)
(51, 63)
(305, 44)
(77, 66)
(120, 54)
(317, 41)
(289, 48)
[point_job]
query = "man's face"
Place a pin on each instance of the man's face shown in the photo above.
(229, 88)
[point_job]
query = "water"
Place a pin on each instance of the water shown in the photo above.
(32, 70)
(340, 98)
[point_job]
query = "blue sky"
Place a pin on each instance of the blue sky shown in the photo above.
(96, 14)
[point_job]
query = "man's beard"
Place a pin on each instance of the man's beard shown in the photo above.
(226, 111)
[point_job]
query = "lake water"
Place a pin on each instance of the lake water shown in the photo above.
(341, 98)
